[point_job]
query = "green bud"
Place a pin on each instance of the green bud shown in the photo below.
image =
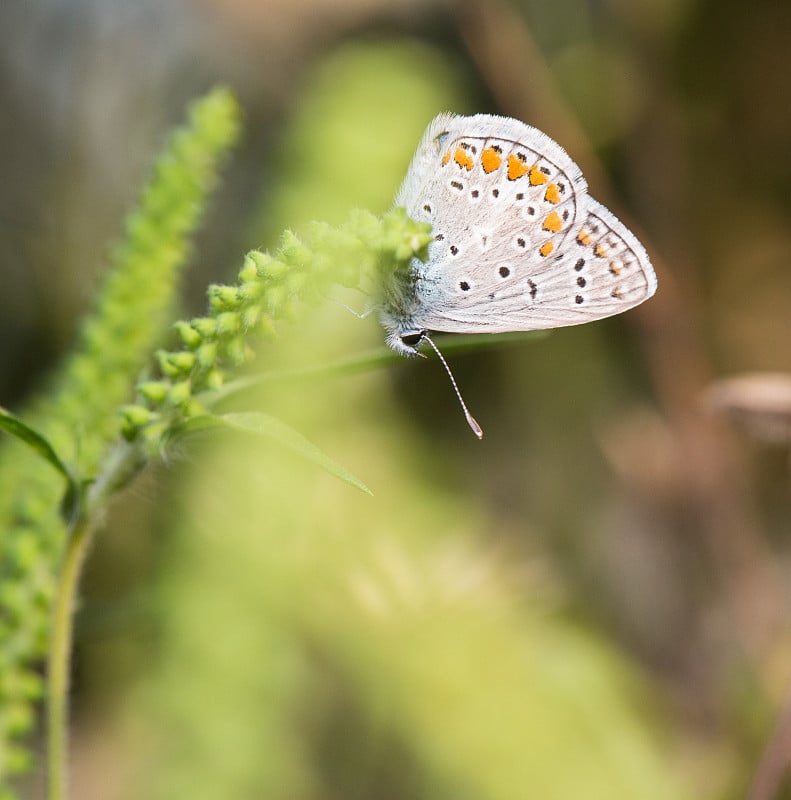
(20, 683)
(180, 393)
(133, 419)
(193, 408)
(228, 323)
(188, 333)
(136, 416)
(18, 718)
(165, 366)
(154, 391)
(253, 291)
(275, 298)
(26, 550)
(223, 298)
(13, 596)
(207, 354)
(205, 326)
(175, 365)
(266, 266)
(236, 350)
(250, 317)
(16, 759)
(249, 271)
(183, 360)
(294, 251)
(214, 379)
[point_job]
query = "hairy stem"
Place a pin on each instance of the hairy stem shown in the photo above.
(59, 661)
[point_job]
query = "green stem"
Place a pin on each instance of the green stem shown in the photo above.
(59, 661)
(121, 465)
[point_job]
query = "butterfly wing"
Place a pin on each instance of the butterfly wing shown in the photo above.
(519, 244)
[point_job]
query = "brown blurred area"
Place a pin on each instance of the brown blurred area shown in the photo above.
(666, 521)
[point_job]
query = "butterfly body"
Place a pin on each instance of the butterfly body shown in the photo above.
(518, 244)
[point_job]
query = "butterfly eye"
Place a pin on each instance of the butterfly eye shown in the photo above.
(413, 339)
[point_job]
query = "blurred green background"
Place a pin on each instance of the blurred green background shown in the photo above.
(591, 602)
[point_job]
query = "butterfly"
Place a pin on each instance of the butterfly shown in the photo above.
(518, 245)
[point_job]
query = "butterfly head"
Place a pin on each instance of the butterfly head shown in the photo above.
(406, 343)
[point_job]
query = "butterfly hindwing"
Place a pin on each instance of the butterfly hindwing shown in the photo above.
(519, 244)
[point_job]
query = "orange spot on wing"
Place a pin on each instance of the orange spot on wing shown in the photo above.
(552, 194)
(446, 158)
(553, 222)
(463, 159)
(536, 176)
(546, 248)
(516, 167)
(615, 268)
(583, 237)
(600, 250)
(490, 159)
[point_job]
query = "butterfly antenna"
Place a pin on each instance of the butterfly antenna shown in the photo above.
(476, 428)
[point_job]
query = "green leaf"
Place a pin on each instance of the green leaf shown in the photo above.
(31, 437)
(455, 344)
(37, 442)
(272, 428)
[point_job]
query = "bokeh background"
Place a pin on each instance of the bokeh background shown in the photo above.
(591, 602)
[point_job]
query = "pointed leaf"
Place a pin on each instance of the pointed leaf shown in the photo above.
(31, 437)
(368, 360)
(12, 424)
(272, 428)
